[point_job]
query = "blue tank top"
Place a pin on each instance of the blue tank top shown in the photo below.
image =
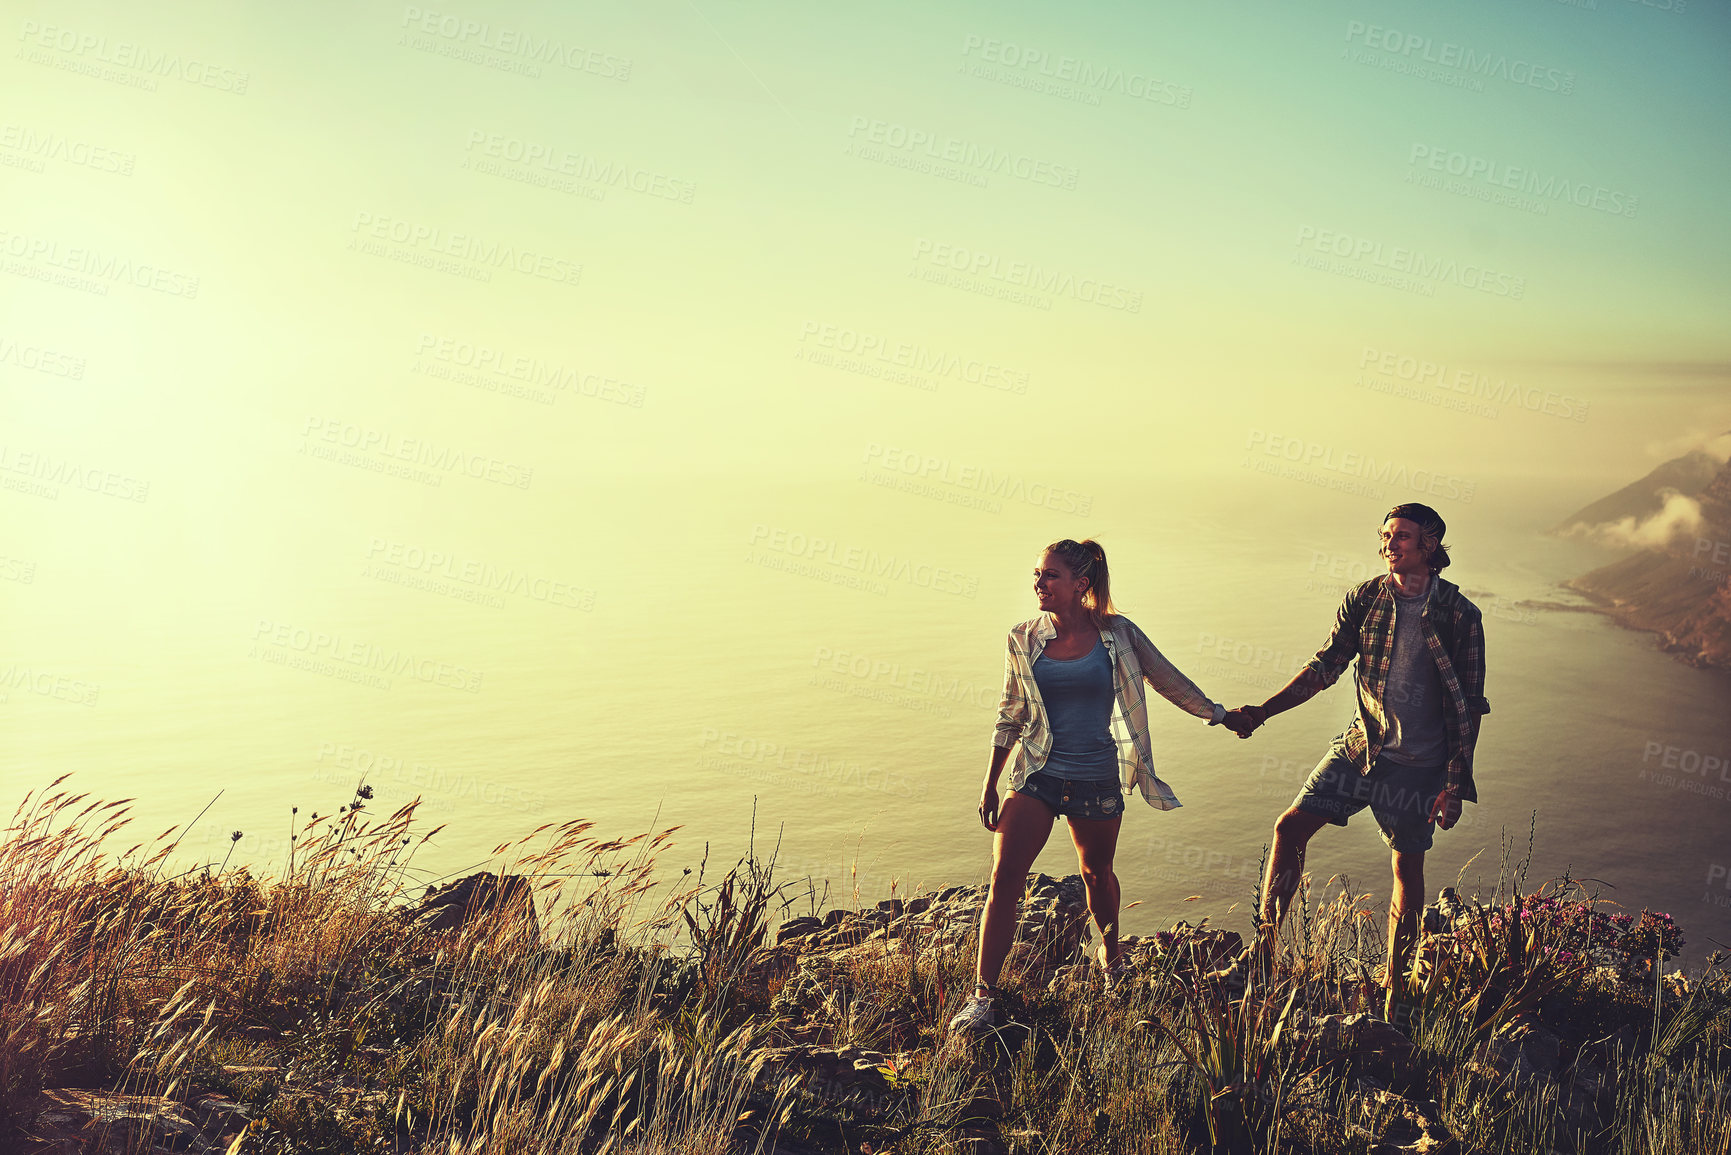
(1078, 696)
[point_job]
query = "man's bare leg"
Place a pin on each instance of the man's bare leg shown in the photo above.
(1403, 911)
(1292, 834)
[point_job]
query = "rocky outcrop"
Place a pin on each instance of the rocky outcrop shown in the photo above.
(1401, 1126)
(847, 1011)
(811, 975)
(459, 903)
(1202, 948)
(1054, 925)
(849, 1080)
(1681, 589)
(1364, 1044)
(1521, 1059)
(84, 1121)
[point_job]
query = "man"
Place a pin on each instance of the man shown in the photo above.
(1408, 753)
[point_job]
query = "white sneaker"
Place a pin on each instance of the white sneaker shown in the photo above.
(976, 1014)
(1120, 976)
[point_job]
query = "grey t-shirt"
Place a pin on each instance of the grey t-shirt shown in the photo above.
(1414, 700)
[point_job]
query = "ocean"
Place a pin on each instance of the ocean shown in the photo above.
(820, 663)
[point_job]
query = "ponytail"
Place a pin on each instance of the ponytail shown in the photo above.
(1087, 559)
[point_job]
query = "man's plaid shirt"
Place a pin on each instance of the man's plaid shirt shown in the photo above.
(1462, 671)
(1022, 716)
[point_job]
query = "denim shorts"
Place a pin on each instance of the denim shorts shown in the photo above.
(1399, 796)
(1090, 799)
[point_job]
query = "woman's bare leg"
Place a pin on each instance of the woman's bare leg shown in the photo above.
(1024, 823)
(1096, 843)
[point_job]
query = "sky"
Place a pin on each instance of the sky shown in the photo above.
(286, 287)
(1192, 222)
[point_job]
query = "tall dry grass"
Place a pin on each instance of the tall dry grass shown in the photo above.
(629, 1016)
(498, 1036)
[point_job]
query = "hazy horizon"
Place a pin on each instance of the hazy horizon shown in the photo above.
(440, 385)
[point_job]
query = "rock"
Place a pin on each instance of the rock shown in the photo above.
(980, 1141)
(1367, 1044)
(1610, 1051)
(1199, 948)
(1535, 1054)
(1587, 1096)
(986, 1106)
(70, 1119)
(1541, 1050)
(1401, 1126)
(795, 928)
(850, 930)
(841, 1077)
(218, 1112)
(810, 953)
(1054, 922)
(768, 965)
(1447, 912)
(467, 899)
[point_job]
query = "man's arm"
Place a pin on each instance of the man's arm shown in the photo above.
(1319, 673)
(1305, 685)
(1469, 664)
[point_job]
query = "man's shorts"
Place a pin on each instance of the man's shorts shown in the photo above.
(1088, 799)
(1399, 796)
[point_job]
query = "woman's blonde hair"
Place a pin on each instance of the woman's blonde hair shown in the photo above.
(1087, 559)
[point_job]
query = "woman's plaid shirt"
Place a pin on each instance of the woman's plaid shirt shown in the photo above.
(1022, 716)
(1372, 642)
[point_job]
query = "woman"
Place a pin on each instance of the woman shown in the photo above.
(1072, 676)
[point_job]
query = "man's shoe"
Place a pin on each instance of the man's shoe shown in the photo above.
(1399, 1010)
(977, 1013)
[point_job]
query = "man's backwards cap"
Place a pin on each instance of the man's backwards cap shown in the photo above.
(1428, 520)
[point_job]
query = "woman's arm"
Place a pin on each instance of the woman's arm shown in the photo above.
(1013, 706)
(989, 792)
(1169, 683)
(1013, 713)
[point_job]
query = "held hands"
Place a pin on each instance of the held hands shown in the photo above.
(1245, 720)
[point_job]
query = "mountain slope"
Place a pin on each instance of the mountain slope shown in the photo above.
(1681, 590)
(1688, 475)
